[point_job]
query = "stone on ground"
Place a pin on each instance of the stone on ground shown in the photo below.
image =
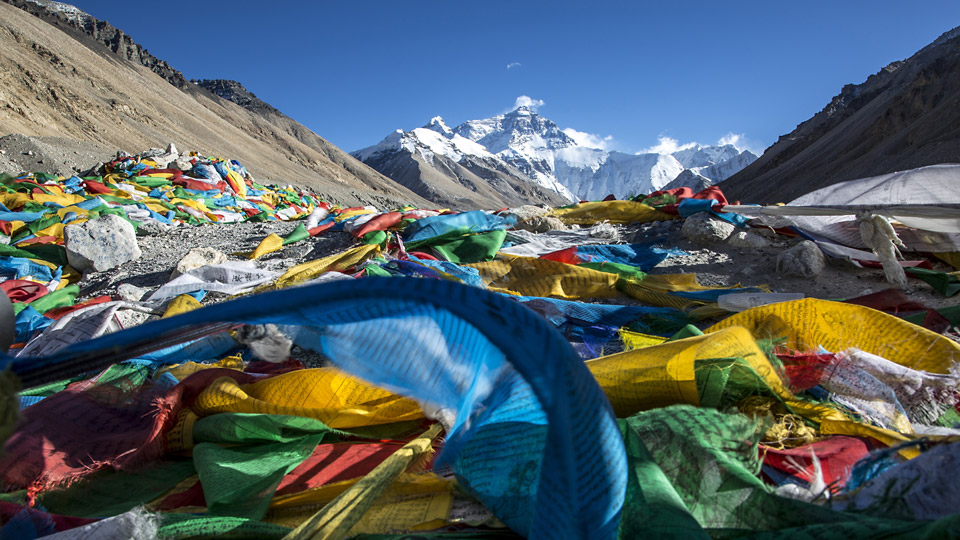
(747, 239)
(528, 211)
(541, 224)
(130, 292)
(197, 257)
(101, 244)
(704, 229)
(804, 259)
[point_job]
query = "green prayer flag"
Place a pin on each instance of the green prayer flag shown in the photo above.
(623, 270)
(111, 492)
(469, 249)
(184, 526)
(944, 283)
(298, 234)
(57, 299)
(239, 480)
(375, 238)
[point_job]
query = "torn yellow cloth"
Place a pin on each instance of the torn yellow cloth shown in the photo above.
(80, 212)
(637, 340)
(810, 323)
(655, 289)
(184, 370)
(57, 229)
(353, 213)
(62, 199)
(14, 201)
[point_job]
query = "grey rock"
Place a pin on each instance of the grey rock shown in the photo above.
(151, 228)
(132, 317)
(128, 291)
(747, 239)
(541, 224)
(528, 211)
(266, 341)
(804, 259)
(705, 229)
(297, 252)
(766, 232)
(101, 244)
(181, 163)
(198, 257)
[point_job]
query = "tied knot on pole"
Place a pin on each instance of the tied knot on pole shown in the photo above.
(878, 235)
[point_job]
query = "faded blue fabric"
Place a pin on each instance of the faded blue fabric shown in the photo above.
(466, 223)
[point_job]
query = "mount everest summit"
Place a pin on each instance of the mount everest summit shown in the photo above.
(523, 154)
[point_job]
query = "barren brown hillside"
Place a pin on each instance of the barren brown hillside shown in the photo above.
(57, 83)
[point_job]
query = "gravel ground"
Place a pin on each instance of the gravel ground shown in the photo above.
(51, 155)
(718, 264)
(722, 264)
(163, 248)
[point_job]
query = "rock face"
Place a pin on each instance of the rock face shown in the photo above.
(237, 93)
(131, 293)
(903, 117)
(102, 32)
(101, 244)
(688, 178)
(705, 229)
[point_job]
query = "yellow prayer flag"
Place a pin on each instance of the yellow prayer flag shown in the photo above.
(531, 276)
(336, 262)
(181, 304)
(621, 212)
(810, 323)
(329, 395)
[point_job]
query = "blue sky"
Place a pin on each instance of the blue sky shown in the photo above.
(626, 72)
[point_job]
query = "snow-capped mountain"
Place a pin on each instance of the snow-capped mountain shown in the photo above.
(449, 169)
(429, 141)
(544, 155)
(714, 162)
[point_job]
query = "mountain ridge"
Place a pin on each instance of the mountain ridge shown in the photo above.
(60, 80)
(902, 117)
(535, 149)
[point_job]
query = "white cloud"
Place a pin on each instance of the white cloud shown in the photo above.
(589, 139)
(742, 142)
(529, 102)
(512, 65)
(666, 145)
(730, 138)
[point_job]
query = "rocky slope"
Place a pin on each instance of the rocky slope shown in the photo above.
(68, 75)
(907, 115)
